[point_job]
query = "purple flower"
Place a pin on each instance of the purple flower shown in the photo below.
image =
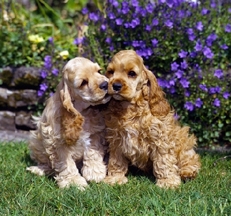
(55, 71)
(147, 52)
(93, 16)
(174, 66)
(229, 10)
(192, 37)
(150, 8)
(190, 31)
(154, 42)
(176, 116)
(119, 21)
(214, 90)
(226, 95)
(224, 47)
(198, 46)
(212, 37)
(84, 10)
(184, 82)
(179, 74)
(168, 23)
(43, 86)
(162, 1)
(51, 40)
(108, 40)
(184, 65)
(205, 11)
(216, 102)
(208, 52)
(135, 43)
(135, 3)
(213, 5)
(182, 54)
(135, 22)
(172, 82)
(40, 93)
(199, 26)
(125, 8)
(193, 54)
(203, 87)
(78, 41)
(198, 102)
(218, 73)
(43, 74)
(155, 22)
(187, 93)
(163, 83)
(228, 28)
(148, 28)
(115, 3)
(189, 106)
(103, 27)
(47, 62)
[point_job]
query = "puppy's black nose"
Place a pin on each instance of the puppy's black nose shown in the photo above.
(117, 86)
(104, 85)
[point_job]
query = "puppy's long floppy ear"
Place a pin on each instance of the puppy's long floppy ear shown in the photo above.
(72, 120)
(158, 104)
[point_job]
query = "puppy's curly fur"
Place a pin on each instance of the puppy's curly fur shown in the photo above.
(141, 128)
(71, 128)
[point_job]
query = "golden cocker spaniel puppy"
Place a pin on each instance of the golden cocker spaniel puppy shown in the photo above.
(71, 128)
(141, 128)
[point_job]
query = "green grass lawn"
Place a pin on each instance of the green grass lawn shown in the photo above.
(23, 193)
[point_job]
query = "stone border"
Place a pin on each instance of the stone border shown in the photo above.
(14, 136)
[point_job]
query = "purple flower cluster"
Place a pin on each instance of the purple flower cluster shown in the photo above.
(179, 39)
(48, 71)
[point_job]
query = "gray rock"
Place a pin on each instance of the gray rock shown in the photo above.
(3, 97)
(7, 120)
(24, 119)
(26, 78)
(21, 98)
(6, 75)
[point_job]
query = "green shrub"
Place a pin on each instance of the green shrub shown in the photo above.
(187, 46)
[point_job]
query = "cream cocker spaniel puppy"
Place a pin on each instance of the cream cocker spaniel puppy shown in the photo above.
(141, 128)
(71, 128)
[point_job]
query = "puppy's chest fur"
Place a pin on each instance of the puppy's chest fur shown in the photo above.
(93, 120)
(130, 130)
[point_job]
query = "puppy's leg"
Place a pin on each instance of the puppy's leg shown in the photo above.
(165, 167)
(38, 153)
(117, 168)
(94, 168)
(189, 164)
(41, 170)
(187, 159)
(66, 170)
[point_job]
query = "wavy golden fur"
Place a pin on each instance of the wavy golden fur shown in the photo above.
(71, 128)
(141, 128)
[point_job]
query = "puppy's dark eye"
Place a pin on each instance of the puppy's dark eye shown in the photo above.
(110, 72)
(132, 74)
(100, 71)
(84, 82)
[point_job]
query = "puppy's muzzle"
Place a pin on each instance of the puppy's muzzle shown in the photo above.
(104, 86)
(117, 86)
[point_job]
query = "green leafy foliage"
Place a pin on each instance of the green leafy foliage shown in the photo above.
(187, 46)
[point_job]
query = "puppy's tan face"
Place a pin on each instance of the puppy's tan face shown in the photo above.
(85, 81)
(126, 75)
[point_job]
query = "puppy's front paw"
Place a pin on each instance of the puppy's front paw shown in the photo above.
(171, 183)
(76, 180)
(95, 172)
(38, 170)
(117, 179)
